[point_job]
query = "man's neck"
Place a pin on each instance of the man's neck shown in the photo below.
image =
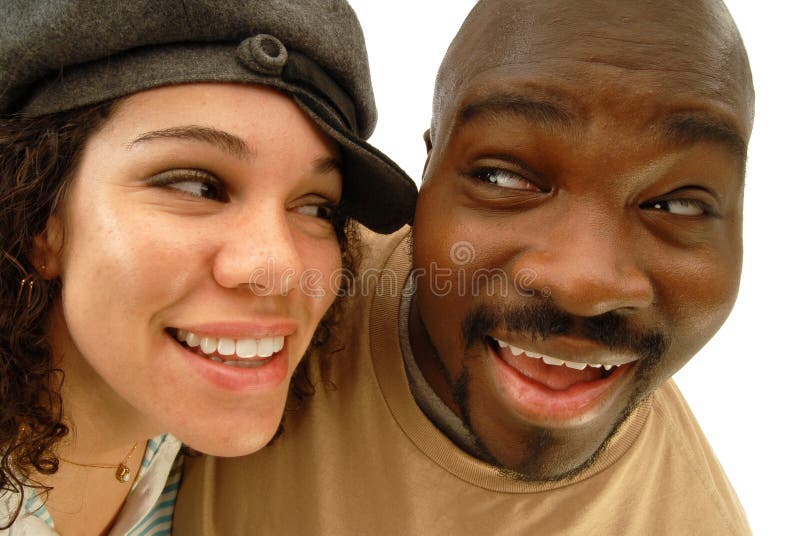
(424, 354)
(444, 416)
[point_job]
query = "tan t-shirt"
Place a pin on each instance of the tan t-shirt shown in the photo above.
(360, 457)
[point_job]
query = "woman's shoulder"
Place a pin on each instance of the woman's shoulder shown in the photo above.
(32, 519)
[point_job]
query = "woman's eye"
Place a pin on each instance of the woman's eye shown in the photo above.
(324, 212)
(195, 188)
(679, 207)
(503, 178)
(193, 182)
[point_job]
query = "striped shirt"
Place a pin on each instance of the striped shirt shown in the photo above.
(147, 510)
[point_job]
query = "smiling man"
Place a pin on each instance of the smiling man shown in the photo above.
(577, 240)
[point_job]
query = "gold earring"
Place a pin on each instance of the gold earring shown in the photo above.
(29, 282)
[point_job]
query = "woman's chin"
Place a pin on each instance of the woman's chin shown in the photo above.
(239, 447)
(228, 442)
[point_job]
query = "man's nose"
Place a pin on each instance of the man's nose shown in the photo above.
(587, 264)
(259, 252)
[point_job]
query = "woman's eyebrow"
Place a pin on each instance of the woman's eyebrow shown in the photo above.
(226, 141)
(326, 164)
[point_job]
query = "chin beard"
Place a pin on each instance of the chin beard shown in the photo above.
(545, 459)
(554, 468)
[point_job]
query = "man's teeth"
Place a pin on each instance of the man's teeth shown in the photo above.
(550, 360)
(242, 348)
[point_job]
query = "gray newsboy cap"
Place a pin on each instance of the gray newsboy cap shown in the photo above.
(57, 55)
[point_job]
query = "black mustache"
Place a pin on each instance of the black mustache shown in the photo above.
(543, 319)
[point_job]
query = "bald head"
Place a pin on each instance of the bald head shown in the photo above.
(688, 47)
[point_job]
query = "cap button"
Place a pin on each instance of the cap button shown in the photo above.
(263, 53)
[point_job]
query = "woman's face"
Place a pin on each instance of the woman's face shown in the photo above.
(195, 234)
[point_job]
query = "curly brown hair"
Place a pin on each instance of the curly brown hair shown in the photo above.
(38, 157)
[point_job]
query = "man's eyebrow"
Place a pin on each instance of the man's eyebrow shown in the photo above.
(688, 128)
(539, 110)
(226, 141)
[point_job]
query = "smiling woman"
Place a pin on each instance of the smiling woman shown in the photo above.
(184, 222)
(143, 190)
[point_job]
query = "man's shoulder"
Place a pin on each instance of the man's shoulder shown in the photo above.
(673, 415)
(381, 265)
(690, 477)
(374, 250)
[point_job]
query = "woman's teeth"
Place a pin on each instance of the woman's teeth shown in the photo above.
(550, 360)
(224, 346)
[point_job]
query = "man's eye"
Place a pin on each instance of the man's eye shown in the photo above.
(193, 182)
(503, 178)
(324, 212)
(679, 207)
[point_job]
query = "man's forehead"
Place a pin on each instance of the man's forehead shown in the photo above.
(691, 47)
(516, 26)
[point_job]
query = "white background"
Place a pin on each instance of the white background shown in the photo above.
(743, 387)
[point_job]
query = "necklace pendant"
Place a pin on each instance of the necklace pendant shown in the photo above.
(123, 473)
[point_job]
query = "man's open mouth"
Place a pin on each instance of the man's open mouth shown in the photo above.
(244, 352)
(549, 365)
(544, 387)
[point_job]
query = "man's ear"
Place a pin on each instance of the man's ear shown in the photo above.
(428, 147)
(47, 248)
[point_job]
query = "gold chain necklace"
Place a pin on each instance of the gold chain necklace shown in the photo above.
(123, 472)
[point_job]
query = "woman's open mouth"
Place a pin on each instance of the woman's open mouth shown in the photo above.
(245, 352)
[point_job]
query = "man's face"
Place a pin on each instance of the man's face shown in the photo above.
(584, 194)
